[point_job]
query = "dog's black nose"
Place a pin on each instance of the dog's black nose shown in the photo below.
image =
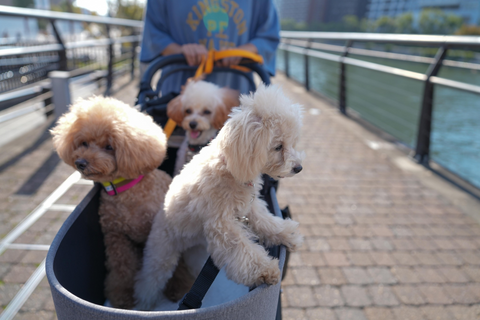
(81, 164)
(193, 124)
(297, 169)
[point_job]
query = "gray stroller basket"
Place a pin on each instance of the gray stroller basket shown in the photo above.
(75, 264)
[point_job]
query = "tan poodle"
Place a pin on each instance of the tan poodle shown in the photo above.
(201, 109)
(109, 142)
(207, 202)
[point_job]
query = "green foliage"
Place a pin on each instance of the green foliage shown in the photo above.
(385, 25)
(404, 23)
(126, 9)
(66, 6)
(436, 21)
(468, 30)
(431, 21)
(24, 3)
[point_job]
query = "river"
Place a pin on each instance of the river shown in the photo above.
(393, 103)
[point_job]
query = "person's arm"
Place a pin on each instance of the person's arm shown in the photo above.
(267, 33)
(156, 34)
(193, 52)
(266, 39)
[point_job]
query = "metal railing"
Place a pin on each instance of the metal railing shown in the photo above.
(325, 47)
(25, 65)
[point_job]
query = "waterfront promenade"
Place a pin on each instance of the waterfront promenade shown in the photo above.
(384, 237)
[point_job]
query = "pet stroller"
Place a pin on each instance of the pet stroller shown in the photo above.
(75, 264)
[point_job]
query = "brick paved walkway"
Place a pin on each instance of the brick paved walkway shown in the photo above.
(384, 239)
(379, 244)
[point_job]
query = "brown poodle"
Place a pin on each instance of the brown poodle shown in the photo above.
(110, 142)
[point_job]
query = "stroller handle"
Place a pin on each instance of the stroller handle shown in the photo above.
(164, 61)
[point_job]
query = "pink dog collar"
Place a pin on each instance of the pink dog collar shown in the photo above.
(120, 185)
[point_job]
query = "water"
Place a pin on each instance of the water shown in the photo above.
(393, 104)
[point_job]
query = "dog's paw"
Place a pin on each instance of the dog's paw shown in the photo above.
(145, 294)
(270, 274)
(292, 238)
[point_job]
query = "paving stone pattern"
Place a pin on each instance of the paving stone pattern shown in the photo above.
(379, 245)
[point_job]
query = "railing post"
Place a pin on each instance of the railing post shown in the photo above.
(63, 66)
(342, 92)
(307, 78)
(110, 63)
(134, 57)
(47, 102)
(287, 73)
(61, 91)
(422, 150)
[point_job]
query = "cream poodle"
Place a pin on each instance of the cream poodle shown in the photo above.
(111, 143)
(219, 189)
(201, 109)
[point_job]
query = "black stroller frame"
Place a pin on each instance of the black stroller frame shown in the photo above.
(75, 262)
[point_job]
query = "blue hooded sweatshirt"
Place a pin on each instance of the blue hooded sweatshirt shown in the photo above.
(218, 24)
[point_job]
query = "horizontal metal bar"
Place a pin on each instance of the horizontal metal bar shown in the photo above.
(53, 15)
(30, 50)
(356, 62)
(22, 92)
(423, 40)
(381, 54)
(102, 42)
(95, 75)
(8, 62)
(72, 45)
(25, 246)
(310, 52)
(386, 69)
(23, 111)
(456, 85)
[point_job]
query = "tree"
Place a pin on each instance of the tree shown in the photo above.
(385, 24)
(24, 3)
(351, 23)
(467, 30)
(66, 6)
(435, 21)
(126, 9)
(404, 23)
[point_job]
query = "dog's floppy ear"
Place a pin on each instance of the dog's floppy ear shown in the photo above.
(64, 135)
(229, 101)
(245, 140)
(175, 109)
(139, 148)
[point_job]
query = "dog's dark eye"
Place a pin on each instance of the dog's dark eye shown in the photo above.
(108, 147)
(188, 111)
(207, 112)
(85, 144)
(279, 147)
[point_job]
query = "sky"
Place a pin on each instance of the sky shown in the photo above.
(99, 6)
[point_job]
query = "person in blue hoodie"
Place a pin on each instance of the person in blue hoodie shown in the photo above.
(192, 27)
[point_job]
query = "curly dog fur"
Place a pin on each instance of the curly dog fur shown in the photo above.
(201, 109)
(222, 183)
(105, 139)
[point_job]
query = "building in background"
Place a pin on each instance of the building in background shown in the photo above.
(469, 10)
(391, 8)
(323, 11)
(337, 9)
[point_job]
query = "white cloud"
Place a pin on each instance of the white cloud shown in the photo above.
(99, 6)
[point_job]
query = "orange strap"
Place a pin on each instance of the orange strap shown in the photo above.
(206, 67)
(169, 127)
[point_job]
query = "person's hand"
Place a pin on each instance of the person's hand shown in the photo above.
(227, 62)
(233, 61)
(194, 52)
